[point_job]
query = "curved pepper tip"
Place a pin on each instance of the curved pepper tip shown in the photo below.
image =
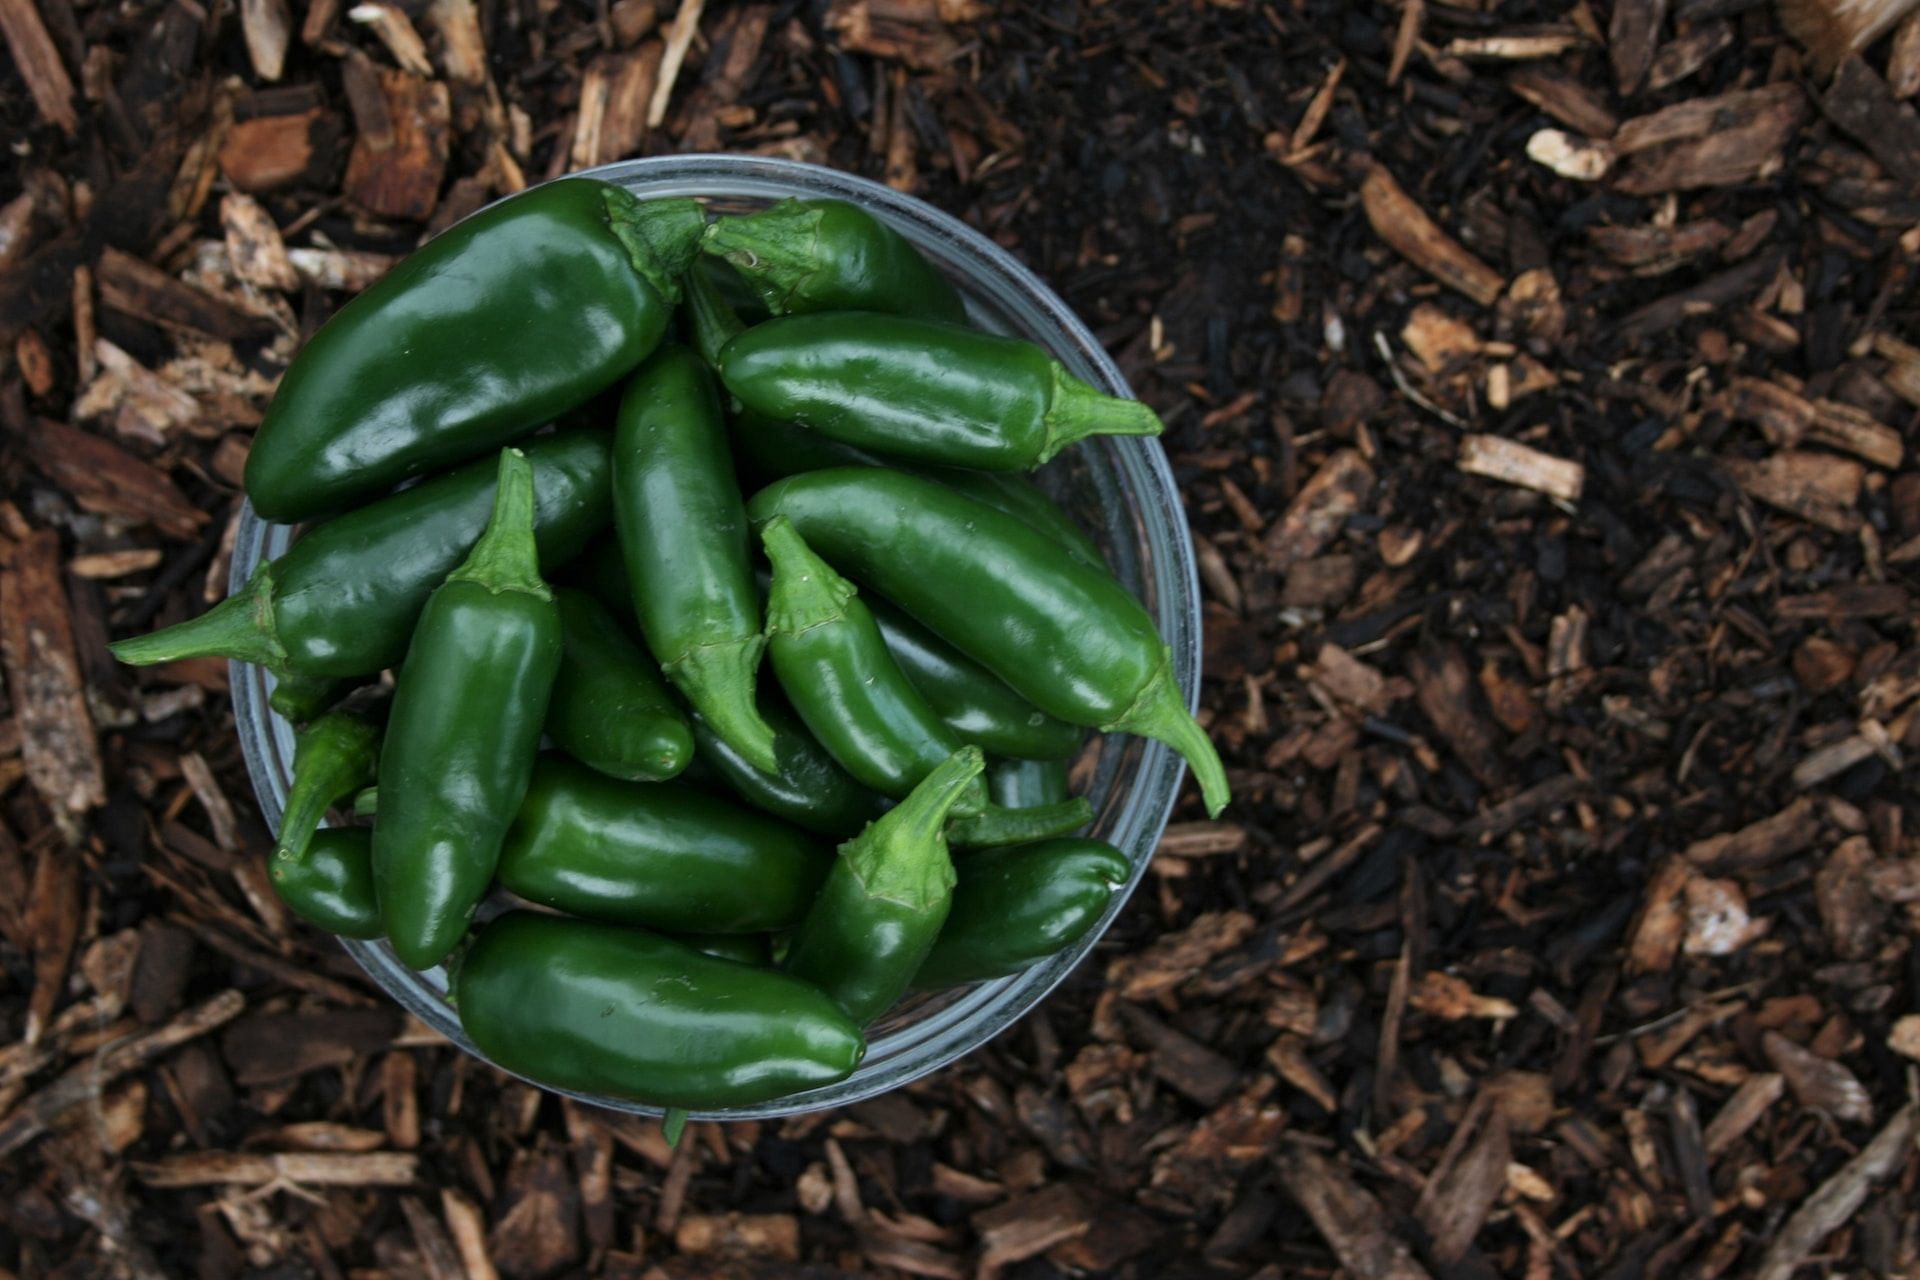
(719, 680)
(1160, 714)
(1076, 411)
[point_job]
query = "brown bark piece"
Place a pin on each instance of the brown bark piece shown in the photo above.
(1833, 1205)
(52, 926)
(254, 245)
(268, 28)
(1461, 1193)
(57, 742)
(1181, 1061)
(271, 1047)
(1755, 1096)
(1715, 142)
(104, 478)
(269, 152)
(1820, 1083)
(1317, 514)
(1860, 600)
(539, 1233)
(1860, 102)
(1761, 844)
(915, 32)
(1632, 36)
(770, 1235)
(248, 1169)
(1719, 291)
(145, 292)
(1855, 920)
(1662, 925)
(38, 62)
(1514, 463)
(1443, 686)
(1029, 1225)
(1175, 958)
(1350, 1219)
(1399, 220)
(1903, 60)
(399, 175)
(1816, 487)
(1550, 88)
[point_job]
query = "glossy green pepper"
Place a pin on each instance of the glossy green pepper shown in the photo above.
(331, 883)
(1065, 636)
(461, 739)
(877, 916)
(502, 322)
(808, 788)
(920, 390)
(683, 535)
(663, 856)
(1025, 784)
(741, 948)
(300, 698)
(711, 320)
(835, 669)
(334, 757)
(343, 602)
(604, 1009)
(829, 255)
(1013, 907)
(994, 825)
(610, 709)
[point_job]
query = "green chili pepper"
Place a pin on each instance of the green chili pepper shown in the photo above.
(601, 572)
(504, 321)
(834, 666)
(919, 390)
(1013, 907)
(666, 857)
(610, 709)
(683, 534)
(343, 602)
(300, 698)
(336, 756)
(603, 1009)
(828, 255)
(465, 726)
(880, 910)
(331, 883)
(994, 826)
(741, 948)
(712, 321)
(1026, 784)
(808, 788)
(1065, 636)
(975, 703)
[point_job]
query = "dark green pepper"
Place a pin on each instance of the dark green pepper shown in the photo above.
(920, 390)
(683, 535)
(601, 572)
(343, 602)
(808, 789)
(994, 826)
(829, 255)
(1062, 634)
(712, 321)
(1025, 784)
(461, 739)
(666, 857)
(741, 948)
(334, 757)
(610, 709)
(604, 1009)
(880, 910)
(300, 698)
(500, 323)
(331, 883)
(835, 669)
(1013, 907)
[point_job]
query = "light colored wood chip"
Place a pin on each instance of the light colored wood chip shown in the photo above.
(1839, 1197)
(1514, 463)
(57, 742)
(254, 246)
(1571, 156)
(396, 31)
(268, 29)
(686, 24)
(38, 62)
(257, 1169)
(1399, 220)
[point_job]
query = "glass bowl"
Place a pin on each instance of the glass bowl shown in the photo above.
(1120, 489)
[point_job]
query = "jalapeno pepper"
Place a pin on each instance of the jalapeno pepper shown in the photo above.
(603, 1009)
(916, 389)
(808, 788)
(666, 857)
(741, 948)
(828, 255)
(1025, 784)
(683, 534)
(880, 910)
(610, 709)
(502, 322)
(465, 726)
(300, 698)
(336, 756)
(1013, 907)
(712, 321)
(835, 669)
(995, 825)
(343, 602)
(1063, 635)
(331, 883)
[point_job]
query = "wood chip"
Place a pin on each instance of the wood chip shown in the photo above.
(1320, 511)
(254, 1169)
(1463, 1191)
(469, 1233)
(1835, 1202)
(104, 478)
(270, 152)
(1860, 102)
(1028, 1225)
(43, 678)
(268, 30)
(686, 24)
(254, 245)
(145, 292)
(1178, 956)
(1633, 33)
(39, 64)
(399, 175)
(1399, 220)
(772, 1235)
(1513, 463)
(1348, 1218)
(1566, 99)
(396, 31)
(1770, 840)
(1820, 1083)
(1816, 487)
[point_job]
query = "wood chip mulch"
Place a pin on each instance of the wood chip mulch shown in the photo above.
(1540, 378)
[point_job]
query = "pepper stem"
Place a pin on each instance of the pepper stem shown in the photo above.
(994, 826)
(805, 592)
(719, 680)
(1076, 411)
(661, 237)
(714, 322)
(335, 756)
(506, 558)
(1160, 714)
(775, 249)
(241, 627)
(902, 855)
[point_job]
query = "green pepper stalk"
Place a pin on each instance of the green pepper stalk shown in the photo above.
(1064, 635)
(883, 904)
(833, 664)
(334, 757)
(465, 727)
(502, 322)
(1013, 907)
(829, 255)
(928, 392)
(683, 533)
(610, 709)
(344, 600)
(332, 884)
(712, 322)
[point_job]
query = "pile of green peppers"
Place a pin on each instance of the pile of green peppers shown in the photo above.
(686, 788)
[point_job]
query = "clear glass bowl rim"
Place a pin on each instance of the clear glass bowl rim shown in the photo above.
(900, 1055)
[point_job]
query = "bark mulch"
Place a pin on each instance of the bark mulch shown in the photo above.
(1540, 378)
